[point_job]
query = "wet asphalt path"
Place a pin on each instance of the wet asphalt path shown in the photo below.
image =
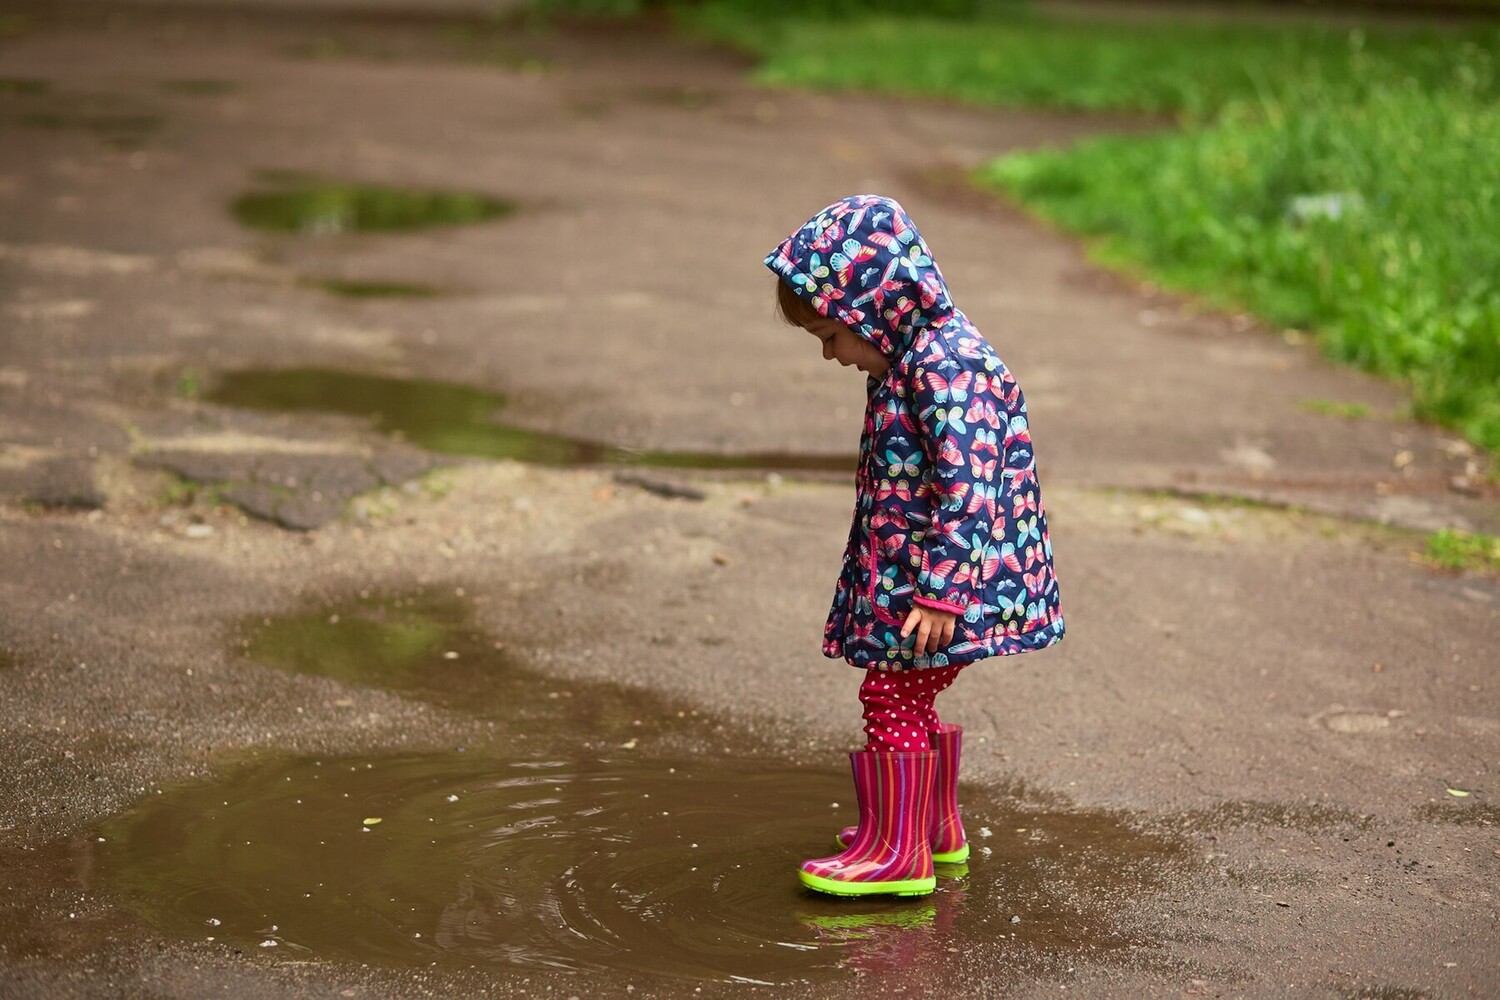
(1283, 699)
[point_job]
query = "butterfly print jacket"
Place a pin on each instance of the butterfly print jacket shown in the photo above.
(948, 510)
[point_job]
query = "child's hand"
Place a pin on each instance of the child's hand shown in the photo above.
(934, 628)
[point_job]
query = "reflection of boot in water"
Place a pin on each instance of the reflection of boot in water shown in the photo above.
(875, 941)
(890, 853)
(946, 831)
(959, 871)
(857, 926)
(901, 939)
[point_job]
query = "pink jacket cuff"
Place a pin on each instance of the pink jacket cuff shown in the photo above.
(952, 609)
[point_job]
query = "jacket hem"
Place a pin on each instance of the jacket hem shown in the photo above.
(1007, 645)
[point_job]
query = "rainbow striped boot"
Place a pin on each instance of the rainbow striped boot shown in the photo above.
(889, 853)
(946, 834)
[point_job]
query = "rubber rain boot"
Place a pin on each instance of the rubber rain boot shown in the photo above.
(889, 854)
(946, 834)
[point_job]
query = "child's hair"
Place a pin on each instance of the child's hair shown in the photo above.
(793, 308)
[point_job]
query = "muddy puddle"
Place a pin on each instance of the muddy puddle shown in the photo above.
(123, 131)
(199, 87)
(11, 86)
(350, 289)
(602, 830)
(295, 203)
(459, 420)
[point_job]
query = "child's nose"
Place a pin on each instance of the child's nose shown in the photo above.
(828, 349)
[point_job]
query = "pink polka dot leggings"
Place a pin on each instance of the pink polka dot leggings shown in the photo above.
(898, 707)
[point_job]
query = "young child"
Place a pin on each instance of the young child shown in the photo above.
(948, 559)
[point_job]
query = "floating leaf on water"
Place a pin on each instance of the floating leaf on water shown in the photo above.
(371, 820)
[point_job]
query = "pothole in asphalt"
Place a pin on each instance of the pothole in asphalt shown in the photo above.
(570, 842)
(313, 206)
(459, 420)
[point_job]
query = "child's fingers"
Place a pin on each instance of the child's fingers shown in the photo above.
(912, 617)
(942, 635)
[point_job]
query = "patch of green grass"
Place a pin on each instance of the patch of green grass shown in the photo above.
(1349, 411)
(438, 484)
(1460, 550)
(1335, 180)
(180, 492)
(1401, 280)
(1012, 56)
(188, 385)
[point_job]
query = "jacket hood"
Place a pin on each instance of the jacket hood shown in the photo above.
(861, 261)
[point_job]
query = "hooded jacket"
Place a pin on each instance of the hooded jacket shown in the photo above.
(948, 510)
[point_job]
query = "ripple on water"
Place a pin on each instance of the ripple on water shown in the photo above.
(557, 848)
(680, 868)
(585, 864)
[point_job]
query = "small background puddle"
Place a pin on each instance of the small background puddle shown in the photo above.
(20, 85)
(313, 206)
(351, 289)
(458, 420)
(562, 846)
(199, 87)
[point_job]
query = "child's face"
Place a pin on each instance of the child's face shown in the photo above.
(843, 345)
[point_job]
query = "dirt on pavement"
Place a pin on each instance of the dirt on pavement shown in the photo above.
(1272, 720)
